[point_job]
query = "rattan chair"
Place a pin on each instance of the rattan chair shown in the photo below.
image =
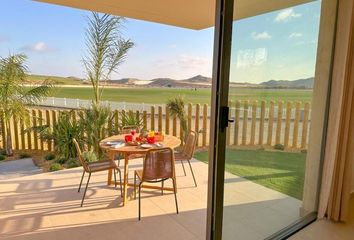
(98, 166)
(159, 165)
(187, 152)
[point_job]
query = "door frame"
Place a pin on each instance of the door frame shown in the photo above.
(219, 118)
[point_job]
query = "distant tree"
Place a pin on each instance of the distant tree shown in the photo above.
(106, 49)
(14, 96)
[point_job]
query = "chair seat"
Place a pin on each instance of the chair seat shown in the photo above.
(101, 165)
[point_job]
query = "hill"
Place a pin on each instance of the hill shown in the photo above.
(34, 79)
(306, 83)
(198, 81)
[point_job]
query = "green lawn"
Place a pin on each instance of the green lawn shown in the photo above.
(159, 96)
(280, 171)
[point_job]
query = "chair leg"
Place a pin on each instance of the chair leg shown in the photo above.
(120, 181)
(82, 178)
(175, 193)
(162, 184)
(115, 178)
(140, 200)
(118, 160)
(83, 197)
(184, 170)
(134, 185)
(195, 182)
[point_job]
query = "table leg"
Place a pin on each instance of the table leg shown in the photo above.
(109, 180)
(125, 193)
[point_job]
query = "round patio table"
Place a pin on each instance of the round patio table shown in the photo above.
(126, 151)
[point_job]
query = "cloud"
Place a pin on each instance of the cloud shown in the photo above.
(261, 36)
(295, 35)
(286, 15)
(189, 61)
(183, 66)
(39, 47)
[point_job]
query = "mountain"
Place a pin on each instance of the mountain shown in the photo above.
(306, 83)
(199, 79)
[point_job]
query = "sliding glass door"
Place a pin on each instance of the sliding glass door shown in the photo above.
(269, 100)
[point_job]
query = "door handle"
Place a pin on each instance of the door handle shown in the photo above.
(224, 117)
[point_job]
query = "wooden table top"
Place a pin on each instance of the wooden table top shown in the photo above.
(169, 141)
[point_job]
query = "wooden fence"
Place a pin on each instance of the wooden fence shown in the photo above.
(255, 124)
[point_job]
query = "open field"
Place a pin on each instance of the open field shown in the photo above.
(202, 96)
(55, 79)
(280, 171)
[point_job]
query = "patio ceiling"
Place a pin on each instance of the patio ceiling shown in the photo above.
(193, 14)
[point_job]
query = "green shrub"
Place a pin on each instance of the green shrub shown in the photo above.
(89, 156)
(55, 167)
(49, 156)
(61, 160)
(93, 122)
(2, 157)
(279, 147)
(24, 155)
(72, 163)
(63, 133)
(3, 152)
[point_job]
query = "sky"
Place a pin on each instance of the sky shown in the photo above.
(276, 45)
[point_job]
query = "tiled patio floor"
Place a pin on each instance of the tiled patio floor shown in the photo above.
(47, 206)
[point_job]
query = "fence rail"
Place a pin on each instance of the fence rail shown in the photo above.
(285, 123)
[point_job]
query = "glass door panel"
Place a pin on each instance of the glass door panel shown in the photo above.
(273, 58)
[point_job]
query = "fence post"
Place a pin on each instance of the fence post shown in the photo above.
(65, 102)
(152, 120)
(237, 122)
(35, 135)
(48, 122)
(253, 124)
(159, 122)
(296, 124)
(167, 120)
(116, 121)
(305, 125)
(197, 118)
(145, 119)
(190, 116)
(40, 123)
(245, 123)
(54, 121)
(279, 122)
(22, 134)
(228, 129)
(287, 124)
(261, 124)
(205, 122)
(270, 123)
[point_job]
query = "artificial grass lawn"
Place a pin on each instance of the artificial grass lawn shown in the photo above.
(280, 171)
(202, 96)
